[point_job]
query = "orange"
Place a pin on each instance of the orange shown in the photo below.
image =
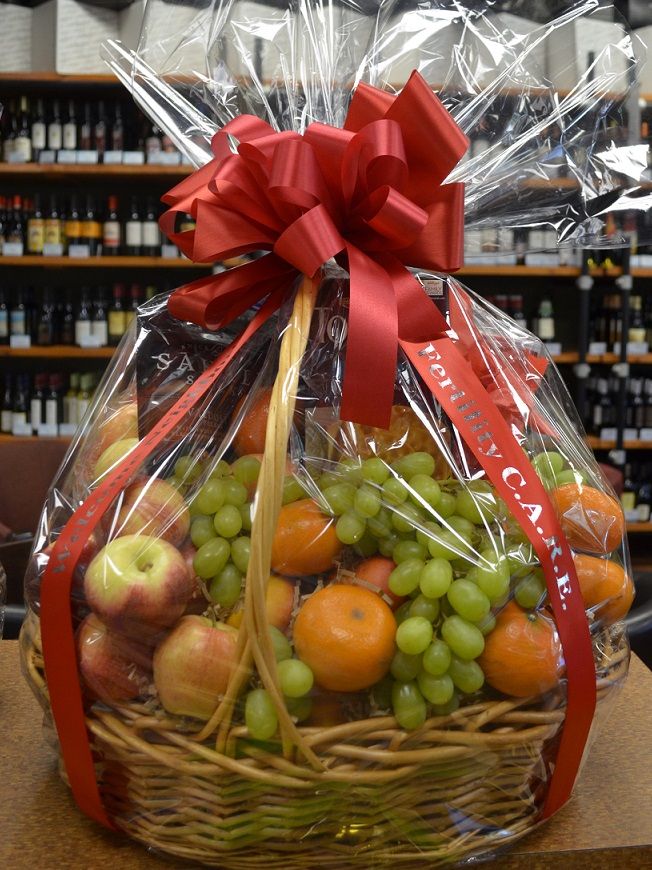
(250, 437)
(605, 583)
(375, 571)
(345, 634)
(590, 519)
(522, 655)
(406, 434)
(305, 541)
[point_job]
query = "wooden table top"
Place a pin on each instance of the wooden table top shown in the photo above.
(606, 826)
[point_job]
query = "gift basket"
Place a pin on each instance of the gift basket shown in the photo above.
(329, 573)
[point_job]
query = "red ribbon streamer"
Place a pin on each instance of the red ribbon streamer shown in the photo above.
(364, 195)
(368, 194)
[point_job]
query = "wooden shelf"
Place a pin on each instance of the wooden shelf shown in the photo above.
(568, 356)
(58, 438)
(103, 262)
(50, 78)
(572, 356)
(58, 351)
(95, 170)
(519, 271)
(597, 444)
(638, 528)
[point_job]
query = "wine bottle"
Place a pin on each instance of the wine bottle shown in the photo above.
(7, 406)
(53, 400)
(117, 129)
(91, 229)
(70, 128)
(45, 320)
(111, 230)
(22, 148)
(20, 404)
(117, 315)
(99, 327)
(11, 130)
(39, 131)
(67, 331)
(37, 401)
(70, 401)
(136, 298)
(83, 322)
(72, 223)
(84, 396)
(151, 232)
(54, 225)
(134, 231)
(36, 228)
(86, 130)
(55, 131)
(18, 317)
(100, 130)
(4, 318)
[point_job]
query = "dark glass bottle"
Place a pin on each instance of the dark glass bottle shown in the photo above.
(46, 320)
(117, 315)
(4, 318)
(100, 327)
(134, 230)
(36, 228)
(7, 406)
(22, 148)
(100, 130)
(117, 129)
(70, 128)
(55, 129)
(54, 224)
(91, 228)
(67, 325)
(39, 131)
(86, 130)
(37, 402)
(150, 233)
(72, 224)
(16, 223)
(111, 230)
(53, 400)
(83, 320)
(136, 296)
(20, 405)
(19, 316)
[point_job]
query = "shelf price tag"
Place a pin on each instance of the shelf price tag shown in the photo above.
(20, 429)
(634, 348)
(47, 157)
(48, 430)
(20, 342)
(169, 252)
(67, 430)
(12, 249)
(79, 251)
(66, 156)
(89, 341)
(52, 250)
(169, 158)
(597, 348)
(133, 158)
(87, 157)
(645, 434)
(553, 347)
(112, 158)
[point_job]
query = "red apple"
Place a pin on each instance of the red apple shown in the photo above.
(151, 506)
(197, 602)
(111, 457)
(118, 424)
(375, 572)
(279, 604)
(192, 666)
(138, 585)
(114, 668)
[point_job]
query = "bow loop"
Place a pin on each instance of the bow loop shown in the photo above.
(370, 195)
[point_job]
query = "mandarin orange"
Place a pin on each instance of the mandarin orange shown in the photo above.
(305, 541)
(590, 519)
(250, 437)
(605, 583)
(345, 634)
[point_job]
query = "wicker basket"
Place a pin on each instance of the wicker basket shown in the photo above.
(360, 794)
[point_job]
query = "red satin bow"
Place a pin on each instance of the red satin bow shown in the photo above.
(369, 195)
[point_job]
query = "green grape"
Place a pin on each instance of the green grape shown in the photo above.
(404, 579)
(394, 492)
(465, 639)
(367, 502)
(299, 708)
(408, 705)
(382, 693)
(405, 667)
(402, 613)
(211, 557)
(462, 526)
(405, 518)
(295, 678)
(339, 497)
(437, 690)
(380, 526)
(188, 469)
(245, 516)
(350, 470)
(328, 478)
(234, 492)
(350, 528)
(282, 646)
(467, 676)
(414, 463)
(225, 587)
(425, 489)
(240, 549)
(520, 557)
(260, 716)
(569, 476)
(292, 490)
(211, 496)
(435, 578)
(367, 545)
(446, 544)
(228, 521)
(201, 530)
(246, 470)
(221, 469)
(426, 607)
(529, 591)
(179, 485)
(408, 550)
(427, 532)
(487, 624)
(375, 470)
(492, 574)
(477, 503)
(447, 709)
(445, 605)
(414, 635)
(386, 545)
(548, 464)
(468, 600)
(437, 658)
(446, 506)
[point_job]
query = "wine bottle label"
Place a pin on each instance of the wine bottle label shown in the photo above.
(151, 234)
(546, 328)
(22, 150)
(73, 229)
(111, 237)
(51, 412)
(82, 331)
(38, 135)
(35, 235)
(70, 136)
(597, 416)
(82, 407)
(6, 421)
(117, 324)
(54, 137)
(100, 331)
(7, 150)
(643, 511)
(134, 234)
(17, 322)
(35, 413)
(91, 229)
(18, 419)
(4, 324)
(53, 234)
(129, 316)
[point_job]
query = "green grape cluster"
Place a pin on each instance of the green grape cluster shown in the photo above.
(221, 522)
